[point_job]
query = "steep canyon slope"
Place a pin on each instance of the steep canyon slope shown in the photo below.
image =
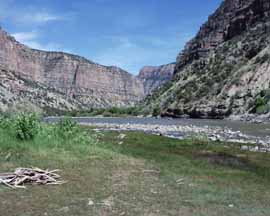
(225, 69)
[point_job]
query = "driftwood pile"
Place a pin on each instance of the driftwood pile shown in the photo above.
(35, 176)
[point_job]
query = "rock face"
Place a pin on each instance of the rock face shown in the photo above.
(225, 69)
(153, 77)
(17, 93)
(232, 18)
(83, 83)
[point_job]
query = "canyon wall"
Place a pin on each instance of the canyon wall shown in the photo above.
(225, 69)
(90, 84)
(155, 76)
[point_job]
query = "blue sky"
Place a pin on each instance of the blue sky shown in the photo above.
(125, 33)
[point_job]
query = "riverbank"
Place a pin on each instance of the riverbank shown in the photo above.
(194, 132)
(253, 118)
(132, 173)
(213, 130)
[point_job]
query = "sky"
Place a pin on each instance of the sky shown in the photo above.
(126, 33)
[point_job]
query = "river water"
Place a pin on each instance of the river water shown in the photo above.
(223, 130)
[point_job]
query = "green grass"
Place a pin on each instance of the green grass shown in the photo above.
(218, 178)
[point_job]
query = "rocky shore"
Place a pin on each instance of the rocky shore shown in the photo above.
(191, 131)
(253, 118)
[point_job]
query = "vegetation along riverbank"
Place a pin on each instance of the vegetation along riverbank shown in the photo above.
(130, 173)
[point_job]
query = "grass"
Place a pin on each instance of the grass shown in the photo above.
(111, 171)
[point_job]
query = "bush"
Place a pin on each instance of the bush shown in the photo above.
(26, 126)
(156, 111)
(107, 114)
(66, 128)
(262, 103)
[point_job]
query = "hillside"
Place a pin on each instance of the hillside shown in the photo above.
(225, 69)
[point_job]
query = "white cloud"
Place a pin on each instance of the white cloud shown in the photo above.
(25, 36)
(45, 47)
(30, 14)
(31, 39)
(39, 18)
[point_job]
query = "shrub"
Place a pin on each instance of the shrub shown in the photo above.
(260, 102)
(26, 126)
(107, 114)
(66, 128)
(156, 111)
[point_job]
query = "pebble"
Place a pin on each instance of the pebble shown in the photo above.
(64, 209)
(90, 202)
(153, 191)
(122, 136)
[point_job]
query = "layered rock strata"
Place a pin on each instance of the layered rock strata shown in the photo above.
(80, 80)
(155, 76)
(225, 69)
